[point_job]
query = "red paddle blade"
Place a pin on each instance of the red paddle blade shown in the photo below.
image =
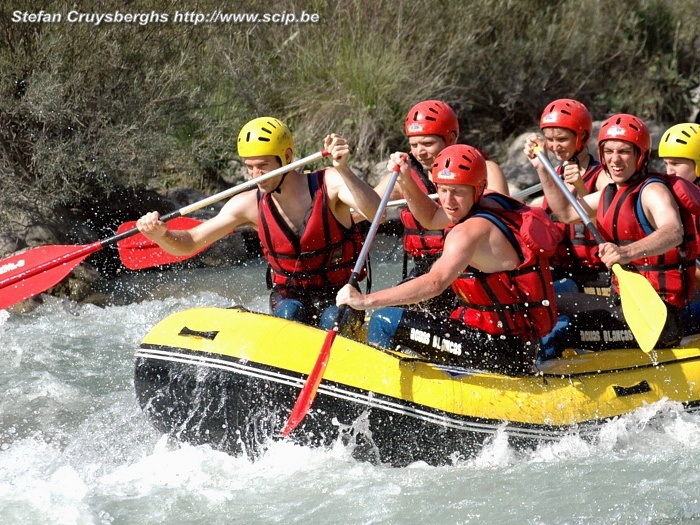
(34, 271)
(308, 391)
(138, 252)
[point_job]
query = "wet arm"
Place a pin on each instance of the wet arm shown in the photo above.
(187, 242)
(444, 271)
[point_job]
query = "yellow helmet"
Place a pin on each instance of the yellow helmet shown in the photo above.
(265, 136)
(682, 140)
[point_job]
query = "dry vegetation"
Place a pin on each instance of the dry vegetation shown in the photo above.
(86, 111)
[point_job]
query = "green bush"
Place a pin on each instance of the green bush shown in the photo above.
(90, 109)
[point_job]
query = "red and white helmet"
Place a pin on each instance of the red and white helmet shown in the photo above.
(461, 164)
(569, 114)
(432, 117)
(629, 129)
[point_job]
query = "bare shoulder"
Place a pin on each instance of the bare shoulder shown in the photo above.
(469, 230)
(657, 188)
(241, 209)
(658, 200)
(467, 243)
(496, 179)
(482, 244)
(332, 178)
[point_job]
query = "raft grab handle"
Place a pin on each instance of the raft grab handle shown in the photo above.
(640, 388)
(196, 333)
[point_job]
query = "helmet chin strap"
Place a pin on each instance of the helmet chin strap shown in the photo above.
(575, 156)
(278, 188)
(584, 147)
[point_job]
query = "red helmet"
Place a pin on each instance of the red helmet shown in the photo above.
(569, 114)
(629, 129)
(461, 164)
(431, 117)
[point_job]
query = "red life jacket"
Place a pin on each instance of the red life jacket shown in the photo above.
(578, 248)
(520, 301)
(325, 253)
(417, 241)
(621, 220)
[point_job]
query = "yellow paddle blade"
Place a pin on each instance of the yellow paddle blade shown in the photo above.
(642, 307)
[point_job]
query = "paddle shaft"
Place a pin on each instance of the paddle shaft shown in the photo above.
(369, 238)
(518, 195)
(75, 255)
(308, 391)
(569, 196)
(185, 210)
(526, 192)
(147, 254)
(644, 311)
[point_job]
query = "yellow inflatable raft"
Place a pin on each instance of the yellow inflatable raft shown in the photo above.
(229, 377)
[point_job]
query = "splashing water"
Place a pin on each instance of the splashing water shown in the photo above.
(76, 449)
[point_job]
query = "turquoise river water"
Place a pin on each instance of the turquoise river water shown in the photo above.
(76, 449)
